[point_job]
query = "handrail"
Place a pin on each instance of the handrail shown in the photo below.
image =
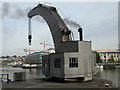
(7, 78)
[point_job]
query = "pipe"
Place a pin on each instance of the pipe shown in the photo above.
(80, 34)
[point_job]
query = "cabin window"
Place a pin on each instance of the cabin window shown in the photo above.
(57, 63)
(73, 62)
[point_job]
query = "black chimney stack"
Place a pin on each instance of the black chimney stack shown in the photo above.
(81, 34)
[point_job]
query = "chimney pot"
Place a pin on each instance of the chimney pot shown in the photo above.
(80, 34)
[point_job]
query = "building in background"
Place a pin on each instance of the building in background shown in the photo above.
(11, 60)
(36, 57)
(107, 55)
(50, 50)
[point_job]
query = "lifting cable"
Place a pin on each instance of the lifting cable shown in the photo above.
(29, 31)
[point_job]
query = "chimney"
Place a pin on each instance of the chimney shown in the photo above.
(80, 34)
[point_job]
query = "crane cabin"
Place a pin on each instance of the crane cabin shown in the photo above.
(72, 59)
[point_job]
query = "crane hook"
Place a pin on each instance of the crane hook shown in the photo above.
(29, 39)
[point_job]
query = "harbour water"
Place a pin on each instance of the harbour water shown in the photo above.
(112, 75)
(30, 73)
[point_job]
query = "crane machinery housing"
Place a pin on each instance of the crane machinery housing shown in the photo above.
(72, 59)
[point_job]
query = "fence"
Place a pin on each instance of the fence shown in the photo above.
(4, 78)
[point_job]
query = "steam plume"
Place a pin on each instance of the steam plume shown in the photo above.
(16, 12)
(5, 9)
(71, 22)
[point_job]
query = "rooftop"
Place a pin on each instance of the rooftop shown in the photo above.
(108, 50)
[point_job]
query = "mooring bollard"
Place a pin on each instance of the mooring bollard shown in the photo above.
(7, 78)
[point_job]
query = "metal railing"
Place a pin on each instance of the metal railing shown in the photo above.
(4, 78)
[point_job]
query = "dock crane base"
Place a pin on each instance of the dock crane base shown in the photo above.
(83, 71)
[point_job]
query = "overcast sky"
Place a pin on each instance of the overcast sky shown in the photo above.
(99, 21)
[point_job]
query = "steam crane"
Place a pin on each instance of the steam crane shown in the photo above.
(72, 59)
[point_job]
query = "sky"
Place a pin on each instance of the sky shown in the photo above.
(99, 21)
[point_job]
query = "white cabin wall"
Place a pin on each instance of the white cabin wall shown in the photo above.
(85, 61)
(86, 52)
(72, 72)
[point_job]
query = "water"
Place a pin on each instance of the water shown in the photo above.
(34, 73)
(112, 75)
(30, 73)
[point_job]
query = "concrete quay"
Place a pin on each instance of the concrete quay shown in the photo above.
(39, 83)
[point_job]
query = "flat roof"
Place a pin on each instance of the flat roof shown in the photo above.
(108, 50)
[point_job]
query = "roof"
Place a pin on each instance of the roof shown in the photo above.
(36, 53)
(107, 50)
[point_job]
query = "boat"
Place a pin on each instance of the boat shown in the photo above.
(25, 66)
(99, 67)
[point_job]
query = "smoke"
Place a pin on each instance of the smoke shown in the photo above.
(16, 12)
(71, 22)
(5, 9)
